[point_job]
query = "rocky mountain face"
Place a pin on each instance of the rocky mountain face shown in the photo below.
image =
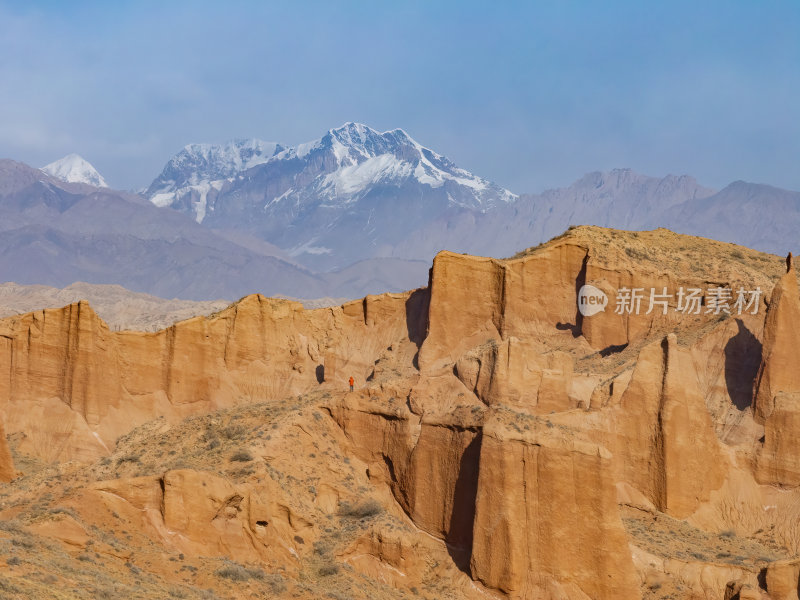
(498, 443)
(351, 195)
(75, 169)
(194, 171)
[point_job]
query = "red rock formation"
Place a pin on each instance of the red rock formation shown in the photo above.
(782, 578)
(203, 514)
(667, 447)
(524, 374)
(474, 300)
(74, 387)
(510, 442)
(7, 471)
(776, 401)
(430, 464)
(546, 519)
(780, 363)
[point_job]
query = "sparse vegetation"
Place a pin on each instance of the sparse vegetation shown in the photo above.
(128, 458)
(241, 456)
(328, 569)
(233, 572)
(362, 510)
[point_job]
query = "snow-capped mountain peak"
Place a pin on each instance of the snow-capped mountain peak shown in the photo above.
(357, 157)
(75, 169)
(371, 184)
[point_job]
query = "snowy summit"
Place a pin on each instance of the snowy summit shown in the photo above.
(339, 169)
(325, 201)
(75, 169)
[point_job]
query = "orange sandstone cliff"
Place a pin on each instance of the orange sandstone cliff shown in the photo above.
(499, 443)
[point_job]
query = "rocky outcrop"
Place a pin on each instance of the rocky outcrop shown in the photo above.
(431, 464)
(782, 579)
(546, 519)
(7, 471)
(778, 461)
(74, 387)
(496, 427)
(202, 514)
(474, 300)
(780, 364)
(666, 445)
(776, 401)
(524, 374)
(500, 498)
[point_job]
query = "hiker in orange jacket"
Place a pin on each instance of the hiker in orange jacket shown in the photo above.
(352, 381)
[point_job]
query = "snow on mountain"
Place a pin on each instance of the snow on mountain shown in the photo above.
(352, 194)
(337, 169)
(200, 167)
(75, 169)
(364, 158)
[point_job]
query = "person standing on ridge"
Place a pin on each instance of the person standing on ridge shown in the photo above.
(352, 381)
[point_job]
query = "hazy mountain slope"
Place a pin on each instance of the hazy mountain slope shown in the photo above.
(197, 168)
(377, 274)
(56, 234)
(754, 215)
(179, 268)
(117, 306)
(620, 198)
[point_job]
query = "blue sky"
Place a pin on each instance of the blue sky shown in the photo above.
(531, 95)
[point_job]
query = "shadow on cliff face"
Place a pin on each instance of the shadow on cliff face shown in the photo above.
(417, 307)
(612, 349)
(459, 538)
(577, 327)
(742, 358)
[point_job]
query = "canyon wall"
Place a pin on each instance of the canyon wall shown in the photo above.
(505, 423)
(73, 387)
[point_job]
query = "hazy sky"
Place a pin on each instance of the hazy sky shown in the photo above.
(531, 95)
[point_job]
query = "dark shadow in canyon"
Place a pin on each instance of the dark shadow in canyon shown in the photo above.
(417, 307)
(459, 538)
(577, 327)
(742, 359)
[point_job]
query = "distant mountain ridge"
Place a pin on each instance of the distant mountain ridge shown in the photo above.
(332, 201)
(336, 167)
(751, 214)
(352, 213)
(619, 198)
(55, 233)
